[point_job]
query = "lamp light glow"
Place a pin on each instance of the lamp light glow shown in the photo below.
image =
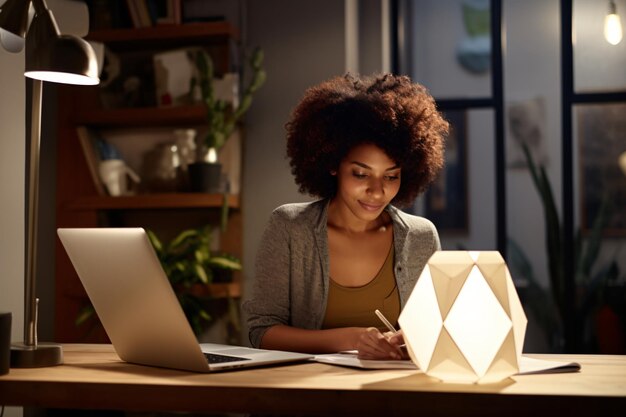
(464, 322)
(211, 156)
(613, 25)
(61, 77)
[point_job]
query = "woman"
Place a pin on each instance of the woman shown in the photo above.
(322, 268)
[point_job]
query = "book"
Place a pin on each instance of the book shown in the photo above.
(134, 13)
(100, 14)
(89, 147)
(528, 365)
(144, 13)
(177, 11)
(166, 14)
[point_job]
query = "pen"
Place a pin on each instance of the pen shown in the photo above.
(382, 318)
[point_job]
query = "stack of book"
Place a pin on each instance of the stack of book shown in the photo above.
(111, 14)
(145, 13)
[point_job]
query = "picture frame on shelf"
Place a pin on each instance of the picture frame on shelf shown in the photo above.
(173, 71)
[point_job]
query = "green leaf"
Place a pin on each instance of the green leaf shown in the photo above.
(225, 263)
(201, 273)
(84, 314)
(257, 58)
(246, 101)
(257, 82)
(204, 315)
(156, 243)
(181, 239)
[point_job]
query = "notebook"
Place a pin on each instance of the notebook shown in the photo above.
(139, 309)
(527, 365)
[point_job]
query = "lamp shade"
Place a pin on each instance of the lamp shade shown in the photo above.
(64, 59)
(13, 24)
(464, 322)
(58, 58)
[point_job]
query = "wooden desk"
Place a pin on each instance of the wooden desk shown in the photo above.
(94, 377)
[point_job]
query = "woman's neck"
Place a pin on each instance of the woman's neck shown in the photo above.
(342, 219)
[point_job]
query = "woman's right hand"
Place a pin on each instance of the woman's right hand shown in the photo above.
(372, 344)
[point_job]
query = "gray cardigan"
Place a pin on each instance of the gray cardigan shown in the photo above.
(292, 267)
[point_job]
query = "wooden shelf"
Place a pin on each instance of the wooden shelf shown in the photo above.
(153, 201)
(224, 290)
(217, 290)
(163, 35)
(143, 116)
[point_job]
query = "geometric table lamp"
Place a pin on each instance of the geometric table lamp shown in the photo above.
(464, 322)
(50, 56)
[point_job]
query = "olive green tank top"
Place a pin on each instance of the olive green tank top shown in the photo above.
(354, 306)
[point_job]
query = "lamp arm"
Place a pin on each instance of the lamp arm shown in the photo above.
(31, 353)
(46, 28)
(30, 301)
(40, 6)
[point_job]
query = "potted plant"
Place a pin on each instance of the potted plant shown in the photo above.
(191, 266)
(222, 118)
(590, 279)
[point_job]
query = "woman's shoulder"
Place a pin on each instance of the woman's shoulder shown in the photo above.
(411, 221)
(415, 229)
(296, 220)
(300, 211)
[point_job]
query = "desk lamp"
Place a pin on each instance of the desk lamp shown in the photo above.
(463, 322)
(50, 56)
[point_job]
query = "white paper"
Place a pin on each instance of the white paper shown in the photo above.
(528, 365)
(351, 359)
(540, 366)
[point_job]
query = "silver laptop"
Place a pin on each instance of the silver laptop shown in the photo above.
(139, 310)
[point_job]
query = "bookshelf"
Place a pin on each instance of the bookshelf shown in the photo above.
(153, 201)
(141, 116)
(189, 34)
(80, 204)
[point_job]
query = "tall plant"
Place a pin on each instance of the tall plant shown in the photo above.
(221, 118)
(586, 252)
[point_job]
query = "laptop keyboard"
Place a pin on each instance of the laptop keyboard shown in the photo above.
(215, 358)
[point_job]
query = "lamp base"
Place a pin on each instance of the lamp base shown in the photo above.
(45, 354)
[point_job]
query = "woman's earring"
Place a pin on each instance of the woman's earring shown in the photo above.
(333, 173)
